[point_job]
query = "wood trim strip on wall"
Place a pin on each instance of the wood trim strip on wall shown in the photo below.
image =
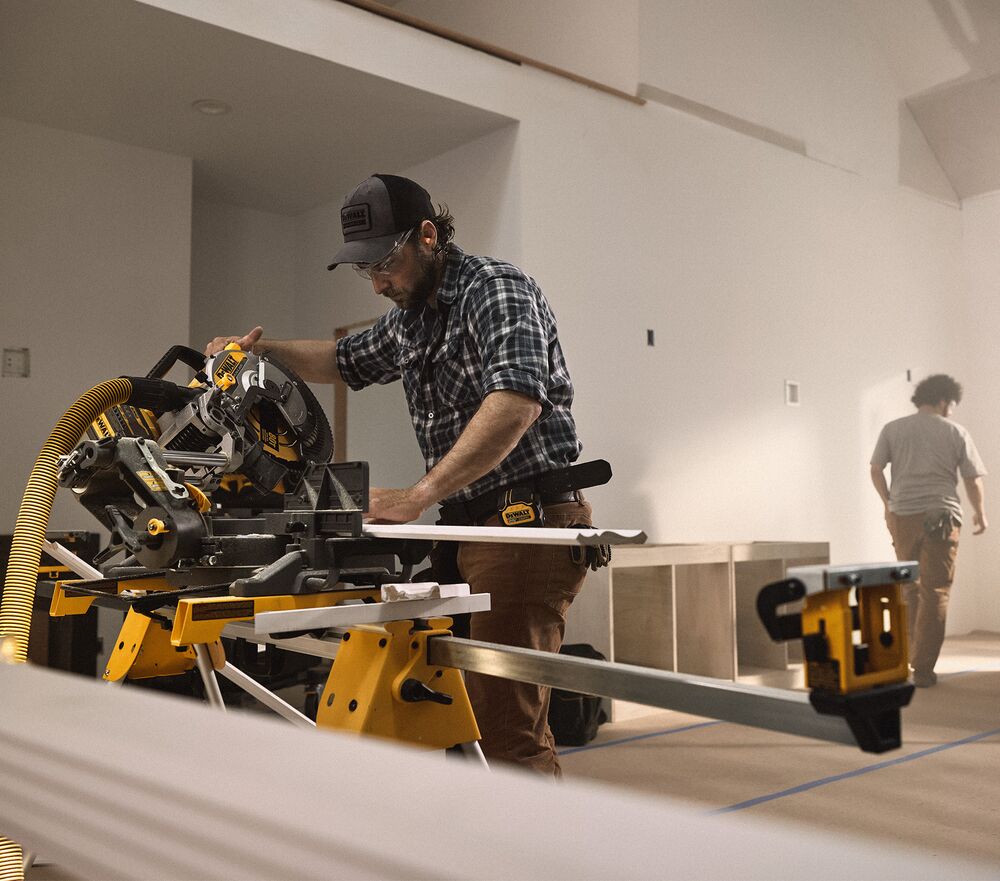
(488, 48)
(340, 395)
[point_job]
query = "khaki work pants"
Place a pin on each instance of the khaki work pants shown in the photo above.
(531, 587)
(926, 599)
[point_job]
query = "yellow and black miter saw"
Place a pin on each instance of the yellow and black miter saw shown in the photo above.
(148, 469)
(222, 505)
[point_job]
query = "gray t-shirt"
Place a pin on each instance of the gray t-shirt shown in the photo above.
(927, 453)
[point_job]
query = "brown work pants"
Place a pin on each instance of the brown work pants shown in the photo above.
(926, 599)
(531, 588)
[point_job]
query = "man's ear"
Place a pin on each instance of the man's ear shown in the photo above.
(428, 233)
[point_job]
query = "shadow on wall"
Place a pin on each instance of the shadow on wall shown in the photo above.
(880, 403)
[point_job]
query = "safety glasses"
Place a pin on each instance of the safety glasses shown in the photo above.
(387, 264)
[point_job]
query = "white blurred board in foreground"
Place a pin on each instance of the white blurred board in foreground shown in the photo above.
(527, 535)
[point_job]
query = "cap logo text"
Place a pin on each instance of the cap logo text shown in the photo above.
(356, 218)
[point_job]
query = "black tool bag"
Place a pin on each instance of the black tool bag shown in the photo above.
(573, 717)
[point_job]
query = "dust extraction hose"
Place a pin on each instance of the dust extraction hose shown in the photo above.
(26, 546)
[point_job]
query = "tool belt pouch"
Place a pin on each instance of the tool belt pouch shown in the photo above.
(939, 525)
(520, 506)
(594, 557)
(444, 563)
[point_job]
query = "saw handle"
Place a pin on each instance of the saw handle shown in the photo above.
(158, 395)
(193, 358)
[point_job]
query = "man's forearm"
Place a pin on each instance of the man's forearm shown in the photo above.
(313, 360)
(977, 496)
(878, 481)
(491, 434)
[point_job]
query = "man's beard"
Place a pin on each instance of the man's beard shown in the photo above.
(417, 294)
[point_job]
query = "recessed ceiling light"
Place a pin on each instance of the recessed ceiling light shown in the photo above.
(211, 107)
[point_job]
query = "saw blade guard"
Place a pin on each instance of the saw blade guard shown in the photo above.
(254, 418)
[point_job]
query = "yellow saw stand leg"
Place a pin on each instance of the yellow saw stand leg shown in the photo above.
(143, 650)
(381, 684)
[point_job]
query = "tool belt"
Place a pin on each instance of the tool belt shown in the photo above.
(521, 504)
(940, 524)
(477, 511)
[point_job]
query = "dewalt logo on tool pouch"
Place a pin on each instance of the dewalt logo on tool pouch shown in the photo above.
(518, 514)
(519, 507)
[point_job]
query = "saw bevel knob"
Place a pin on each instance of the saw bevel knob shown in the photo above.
(157, 527)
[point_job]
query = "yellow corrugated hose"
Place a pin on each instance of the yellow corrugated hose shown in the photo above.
(26, 546)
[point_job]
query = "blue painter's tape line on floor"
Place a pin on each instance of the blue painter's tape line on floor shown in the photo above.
(878, 766)
(682, 728)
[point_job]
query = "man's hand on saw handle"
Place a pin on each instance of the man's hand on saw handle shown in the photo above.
(245, 342)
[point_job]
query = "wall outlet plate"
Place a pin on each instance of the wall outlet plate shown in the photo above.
(16, 362)
(792, 398)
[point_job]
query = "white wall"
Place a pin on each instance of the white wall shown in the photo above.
(979, 556)
(596, 39)
(801, 67)
(94, 273)
(752, 263)
(242, 271)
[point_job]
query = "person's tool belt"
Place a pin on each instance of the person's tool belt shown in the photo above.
(593, 556)
(521, 504)
(940, 524)
(477, 511)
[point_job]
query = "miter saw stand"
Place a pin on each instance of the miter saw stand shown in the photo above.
(396, 671)
(383, 681)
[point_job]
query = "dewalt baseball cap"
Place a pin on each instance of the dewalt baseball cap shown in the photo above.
(373, 216)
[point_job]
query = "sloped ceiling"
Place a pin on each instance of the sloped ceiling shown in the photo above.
(945, 55)
(303, 130)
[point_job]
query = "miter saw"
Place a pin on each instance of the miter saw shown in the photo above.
(224, 503)
(147, 473)
(166, 478)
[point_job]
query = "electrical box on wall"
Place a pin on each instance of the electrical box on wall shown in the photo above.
(792, 393)
(16, 362)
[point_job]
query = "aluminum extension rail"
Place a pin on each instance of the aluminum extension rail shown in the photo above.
(775, 709)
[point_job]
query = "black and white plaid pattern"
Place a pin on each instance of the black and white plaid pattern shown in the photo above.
(493, 330)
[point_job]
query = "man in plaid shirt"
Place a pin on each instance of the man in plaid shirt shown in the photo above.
(475, 344)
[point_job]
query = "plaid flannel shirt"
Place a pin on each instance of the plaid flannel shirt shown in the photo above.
(493, 329)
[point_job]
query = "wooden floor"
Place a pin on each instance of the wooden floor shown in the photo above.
(940, 792)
